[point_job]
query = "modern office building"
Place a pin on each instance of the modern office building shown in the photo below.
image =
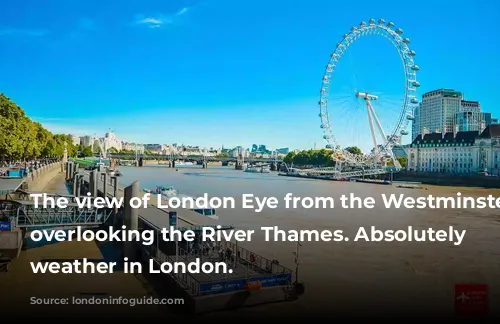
(437, 112)
(284, 150)
(446, 110)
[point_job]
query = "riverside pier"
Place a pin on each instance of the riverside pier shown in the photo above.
(254, 279)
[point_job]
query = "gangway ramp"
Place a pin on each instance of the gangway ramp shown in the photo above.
(10, 185)
(158, 217)
(27, 216)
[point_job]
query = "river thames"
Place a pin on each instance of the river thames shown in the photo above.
(409, 277)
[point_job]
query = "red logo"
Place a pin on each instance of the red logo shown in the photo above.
(471, 300)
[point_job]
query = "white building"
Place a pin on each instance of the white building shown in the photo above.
(437, 111)
(133, 147)
(87, 140)
(111, 141)
(156, 148)
(75, 139)
(237, 151)
(456, 152)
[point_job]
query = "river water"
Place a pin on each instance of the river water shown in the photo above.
(345, 277)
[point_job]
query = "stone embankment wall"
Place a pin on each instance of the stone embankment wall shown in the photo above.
(41, 177)
(449, 179)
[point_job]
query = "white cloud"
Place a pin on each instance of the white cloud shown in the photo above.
(160, 20)
(152, 22)
(182, 11)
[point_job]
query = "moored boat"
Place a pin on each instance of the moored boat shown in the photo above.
(209, 212)
(165, 191)
(258, 169)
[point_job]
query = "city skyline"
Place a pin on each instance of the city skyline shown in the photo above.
(111, 140)
(220, 72)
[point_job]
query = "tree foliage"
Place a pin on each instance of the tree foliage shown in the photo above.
(321, 157)
(354, 150)
(22, 138)
(87, 151)
(402, 161)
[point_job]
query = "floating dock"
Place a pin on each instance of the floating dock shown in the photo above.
(254, 280)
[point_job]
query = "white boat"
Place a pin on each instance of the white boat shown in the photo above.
(114, 173)
(165, 191)
(178, 163)
(258, 169)
(209, 212)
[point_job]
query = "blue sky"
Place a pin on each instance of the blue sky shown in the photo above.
(228, 72)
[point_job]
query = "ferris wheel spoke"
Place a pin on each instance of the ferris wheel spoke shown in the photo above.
(377, 122)
(353, 80)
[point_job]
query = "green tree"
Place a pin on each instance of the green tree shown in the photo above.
(21, 138)
(289, 157)
(402, 160)
(96, 147)
(354, 150)
(321, 157)
(87, 151)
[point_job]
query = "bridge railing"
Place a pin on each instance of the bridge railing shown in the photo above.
(33, 174)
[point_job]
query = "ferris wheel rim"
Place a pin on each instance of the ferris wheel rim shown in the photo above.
(410, 101)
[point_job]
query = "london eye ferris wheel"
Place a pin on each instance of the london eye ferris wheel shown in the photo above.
(383, 127)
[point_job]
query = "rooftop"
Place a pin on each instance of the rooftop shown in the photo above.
(450, 138)
(445, 92)
(492, 130)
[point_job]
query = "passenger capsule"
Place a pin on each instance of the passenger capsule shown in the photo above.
(325, 137)
(410, 117)
(320, 102)
(399, 31)
(346, 35)
(416, 84)
(321, 126)
(415, 68)
(362, 24)
(390, 24)
(406, 41)
(372, 21)
(320, 115)
(403, 132)
(353, 29)
(414, 100)
(381, 21)
(412, 53)
(334, 55)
